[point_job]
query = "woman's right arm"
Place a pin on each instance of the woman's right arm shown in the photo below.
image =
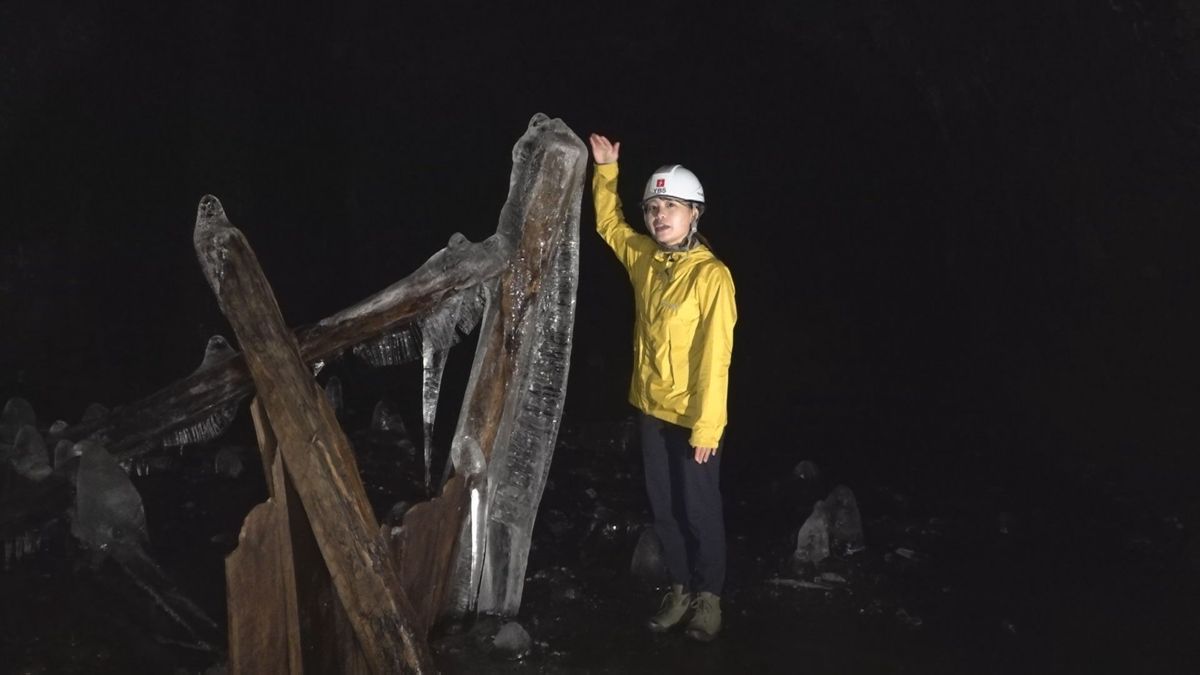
(623, 239)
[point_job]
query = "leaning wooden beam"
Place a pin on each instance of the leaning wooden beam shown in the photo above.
(530, 315)
(130, 429)
(284, 613)
(316, 453)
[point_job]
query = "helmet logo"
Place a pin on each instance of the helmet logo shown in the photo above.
(661, 182)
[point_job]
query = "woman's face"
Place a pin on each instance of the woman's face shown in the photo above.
(669, 220)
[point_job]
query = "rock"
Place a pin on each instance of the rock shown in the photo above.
(647, 563)
(812, 542)
(512, 641)
(845, 522)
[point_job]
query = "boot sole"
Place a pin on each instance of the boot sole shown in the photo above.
(701, 636)
(659, 628)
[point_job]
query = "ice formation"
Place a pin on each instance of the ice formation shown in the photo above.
(216, 352)
(108, 508)
(531, 315)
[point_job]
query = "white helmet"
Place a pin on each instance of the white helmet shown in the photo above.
(675, 181)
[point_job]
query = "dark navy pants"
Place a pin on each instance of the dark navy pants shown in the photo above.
(685, 499)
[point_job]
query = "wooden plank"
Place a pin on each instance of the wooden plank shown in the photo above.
(316, 454)
(260, 577)
(256, 592)
(424, 548)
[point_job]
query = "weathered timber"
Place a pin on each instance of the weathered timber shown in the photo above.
(284, 613)
(131, 429)
(540, 221)
(424, 548)
(316, 455)
(260, 574)
(264, 628)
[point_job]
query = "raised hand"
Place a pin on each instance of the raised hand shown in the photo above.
(604, 151)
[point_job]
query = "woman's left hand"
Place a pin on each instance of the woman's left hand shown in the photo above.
(702, 454)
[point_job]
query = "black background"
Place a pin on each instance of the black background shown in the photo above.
(926, 206)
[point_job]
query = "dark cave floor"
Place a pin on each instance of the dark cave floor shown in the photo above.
(975, 562)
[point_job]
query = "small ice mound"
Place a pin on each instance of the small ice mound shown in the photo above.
(846, 529)
(29, 455)
(812, 542)
(17, 413)
(228, 462)
(383, 419)
(807, 470)
(94, 411)
(512, 641)
(648, 563)
(108, 508)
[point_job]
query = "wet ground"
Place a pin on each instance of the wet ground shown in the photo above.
(975, 560)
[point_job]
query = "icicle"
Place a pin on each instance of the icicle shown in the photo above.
(333, 393)
(478, 485)
(440, 328)
(204, 430)
(217, 350)
(392, 349)
(21, 546)
(434, 364)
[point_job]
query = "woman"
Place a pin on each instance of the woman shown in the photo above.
(683, 338)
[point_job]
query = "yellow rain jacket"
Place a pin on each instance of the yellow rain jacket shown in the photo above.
(683, 333)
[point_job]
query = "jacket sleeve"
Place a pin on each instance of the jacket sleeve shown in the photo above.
(626, 242)
(718, 314)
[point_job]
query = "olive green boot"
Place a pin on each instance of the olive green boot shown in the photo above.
(674, 607)
(706, 619)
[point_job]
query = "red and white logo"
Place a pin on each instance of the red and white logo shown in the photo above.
(661, 182)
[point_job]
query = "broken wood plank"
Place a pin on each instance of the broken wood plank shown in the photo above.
(316, 454)
(264, 630)
(424, 547)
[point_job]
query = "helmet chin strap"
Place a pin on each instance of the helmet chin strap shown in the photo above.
(686, 244)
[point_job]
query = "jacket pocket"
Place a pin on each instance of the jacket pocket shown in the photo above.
(681, 336)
